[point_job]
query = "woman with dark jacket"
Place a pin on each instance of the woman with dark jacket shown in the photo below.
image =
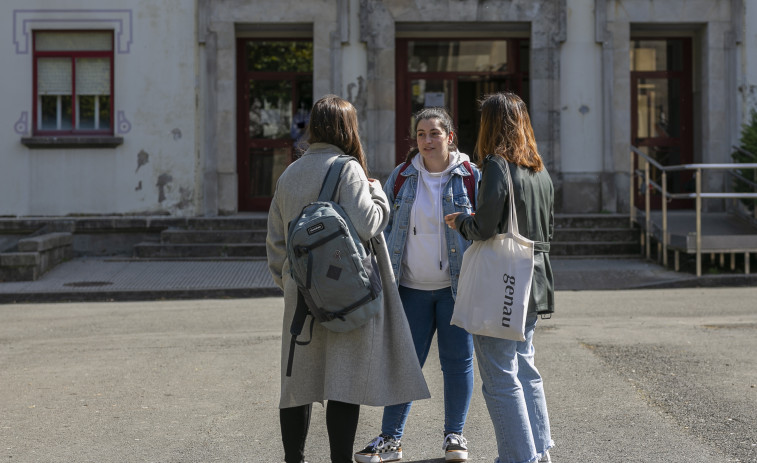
(512, 386)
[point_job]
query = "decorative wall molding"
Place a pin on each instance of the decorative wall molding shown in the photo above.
(25, 21)
(123, 125)
(21, 126)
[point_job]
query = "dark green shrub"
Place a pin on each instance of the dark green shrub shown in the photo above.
(748, 143)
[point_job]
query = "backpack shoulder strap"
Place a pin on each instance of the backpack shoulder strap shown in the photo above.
(470, 184)
(469, 181)
(328, 189)
(400, 179)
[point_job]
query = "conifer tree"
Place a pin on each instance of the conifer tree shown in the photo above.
(749, 144)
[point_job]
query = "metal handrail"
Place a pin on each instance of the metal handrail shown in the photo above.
(742, 178)
(698, 195)
(743, 151)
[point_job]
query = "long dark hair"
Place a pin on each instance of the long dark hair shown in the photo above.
(506, 131)
(445, 121)
(333, 120)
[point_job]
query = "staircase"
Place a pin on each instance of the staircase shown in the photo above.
(243, 238)
(228, 238)
(594, 236)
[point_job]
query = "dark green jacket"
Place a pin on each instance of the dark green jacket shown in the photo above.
(534, 201)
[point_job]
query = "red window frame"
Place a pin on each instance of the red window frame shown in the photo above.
(73, 55)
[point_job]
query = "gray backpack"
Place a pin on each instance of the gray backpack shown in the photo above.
(337, 275)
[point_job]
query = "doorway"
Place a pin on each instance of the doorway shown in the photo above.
(274, 97)
(455, 74)
(661, 109)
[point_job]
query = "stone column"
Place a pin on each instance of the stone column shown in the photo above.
(377, 31)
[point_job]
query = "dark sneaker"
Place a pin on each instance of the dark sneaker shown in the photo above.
(381, 449)
(455, 447)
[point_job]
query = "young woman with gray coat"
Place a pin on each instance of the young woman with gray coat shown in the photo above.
(345, 369)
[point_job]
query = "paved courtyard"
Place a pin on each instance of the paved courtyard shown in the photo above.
(664, 375)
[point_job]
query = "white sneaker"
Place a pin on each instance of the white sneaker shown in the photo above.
(381, 449)
(545, 458)
(455, 447)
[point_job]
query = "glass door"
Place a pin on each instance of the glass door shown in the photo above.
(275, 97)
(455, 74)
(661, 109)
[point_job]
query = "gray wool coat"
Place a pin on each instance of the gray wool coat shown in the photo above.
(371, 365)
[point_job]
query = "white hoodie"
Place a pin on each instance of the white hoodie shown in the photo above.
(425, 263)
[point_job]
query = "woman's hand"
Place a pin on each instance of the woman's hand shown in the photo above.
(449, 219)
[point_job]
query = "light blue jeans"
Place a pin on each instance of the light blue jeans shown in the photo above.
(427, 312)
(514, 395)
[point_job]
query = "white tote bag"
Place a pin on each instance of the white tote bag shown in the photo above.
(495, 282)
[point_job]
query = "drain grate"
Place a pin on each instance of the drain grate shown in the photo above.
(732, 326)
(80, 284)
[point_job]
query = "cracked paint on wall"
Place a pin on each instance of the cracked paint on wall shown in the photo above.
(143, 157)
(163, 180)
(186, 198)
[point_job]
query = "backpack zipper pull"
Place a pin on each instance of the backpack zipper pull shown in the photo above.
(414, 233)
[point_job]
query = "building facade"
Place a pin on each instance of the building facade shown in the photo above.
(194, 107)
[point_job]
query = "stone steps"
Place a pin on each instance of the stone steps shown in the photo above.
(594, 235)
(175, 236)
(35, 256)
(209, 238)
(200, 250)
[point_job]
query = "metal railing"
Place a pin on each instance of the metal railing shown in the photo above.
(698, 195)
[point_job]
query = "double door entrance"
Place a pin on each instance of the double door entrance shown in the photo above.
(275, 94)
(455, 74)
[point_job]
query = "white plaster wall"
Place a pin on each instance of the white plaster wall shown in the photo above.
(16, 99)
(581, 87)
(160, 77)
(154, 87)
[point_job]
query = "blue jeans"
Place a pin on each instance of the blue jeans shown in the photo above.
(429, 311)
(514, 395)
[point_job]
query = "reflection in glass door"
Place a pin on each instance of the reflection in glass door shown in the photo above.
(661, 107)
(455, 74)
(276, 94)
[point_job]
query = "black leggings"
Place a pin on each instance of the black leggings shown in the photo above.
(341, 423)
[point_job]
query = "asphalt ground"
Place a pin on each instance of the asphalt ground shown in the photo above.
(644, 375)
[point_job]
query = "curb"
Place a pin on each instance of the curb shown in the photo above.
(138, 295)
(708, 281)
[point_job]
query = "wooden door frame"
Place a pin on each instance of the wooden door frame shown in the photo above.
(686, 145)
(244, 143)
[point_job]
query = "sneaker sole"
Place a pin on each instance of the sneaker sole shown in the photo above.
(456, 456)
(374, 458)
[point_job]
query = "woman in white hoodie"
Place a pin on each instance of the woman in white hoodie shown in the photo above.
(426, 257)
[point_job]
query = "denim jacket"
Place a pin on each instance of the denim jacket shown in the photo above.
(455, 200)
